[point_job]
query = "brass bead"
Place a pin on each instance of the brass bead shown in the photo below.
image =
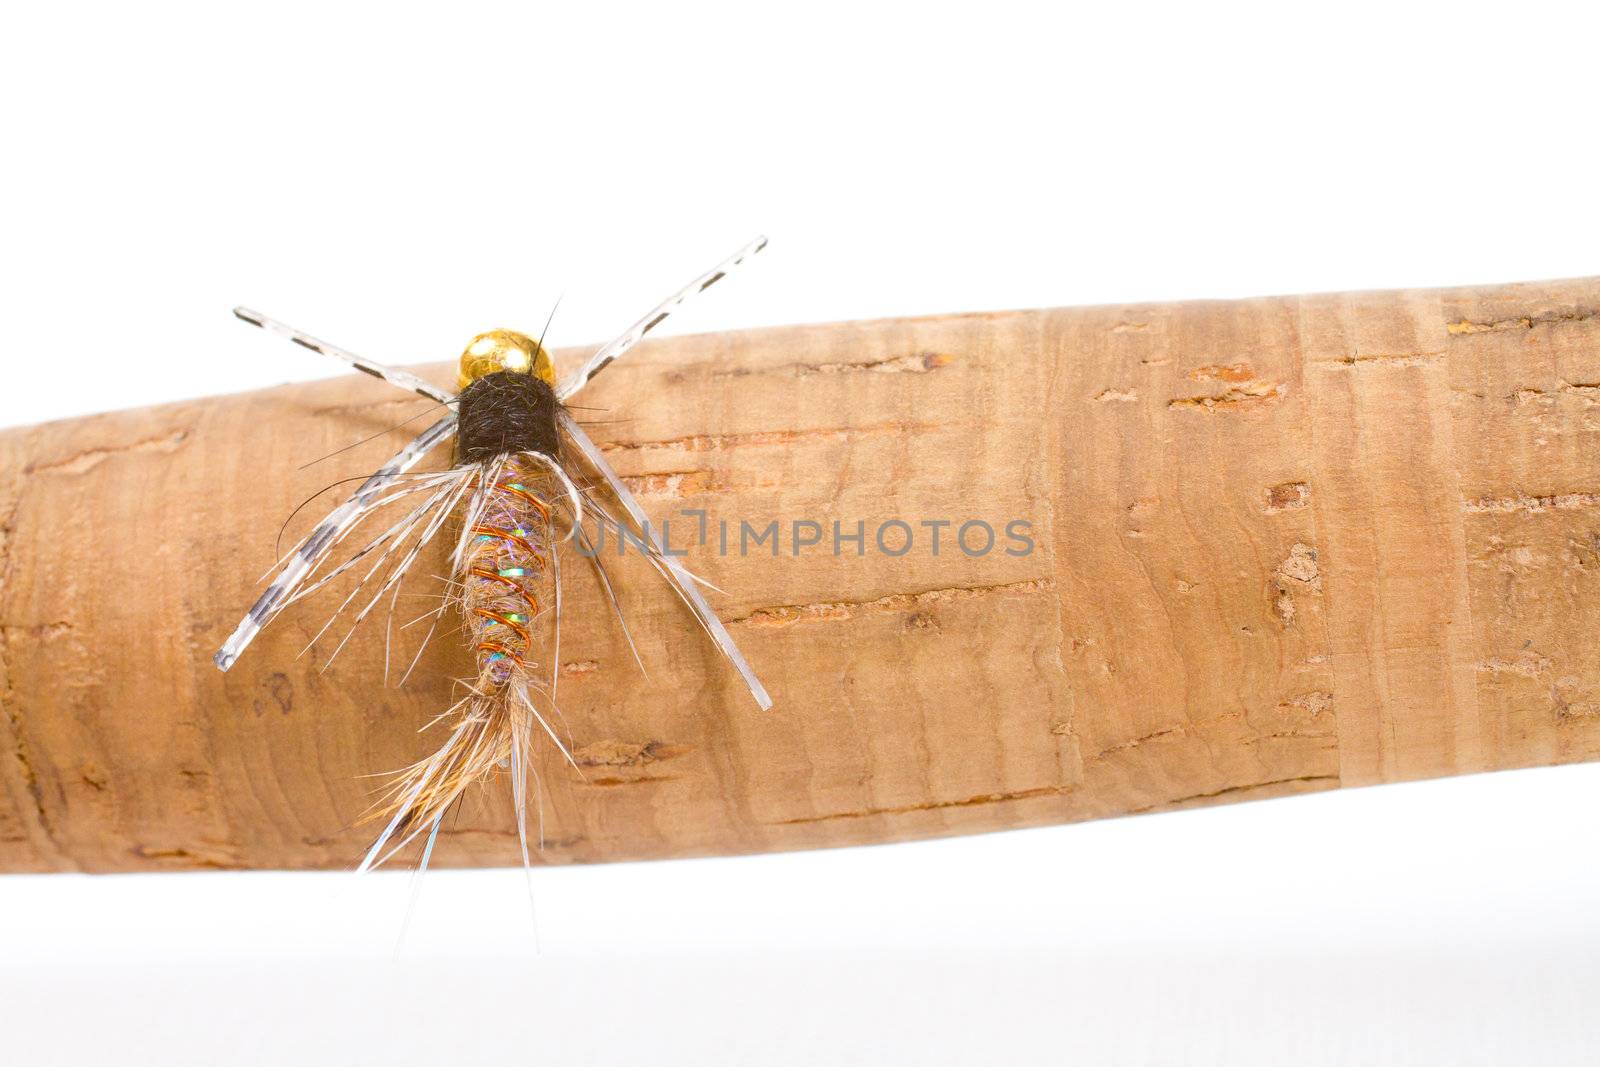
(504, 350)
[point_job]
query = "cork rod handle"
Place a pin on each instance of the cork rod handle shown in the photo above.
(1277, 545)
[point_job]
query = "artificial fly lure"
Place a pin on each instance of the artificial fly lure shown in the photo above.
(526, 476)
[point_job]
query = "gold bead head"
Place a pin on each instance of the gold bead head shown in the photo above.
(504, 350)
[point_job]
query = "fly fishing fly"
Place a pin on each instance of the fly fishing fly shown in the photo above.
(525, 478)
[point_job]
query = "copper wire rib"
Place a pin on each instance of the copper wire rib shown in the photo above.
(504, 620)
(488, 575)
(495, 646)
(509, 535)
(516, 490)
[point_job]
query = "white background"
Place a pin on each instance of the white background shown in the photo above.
(396, 179)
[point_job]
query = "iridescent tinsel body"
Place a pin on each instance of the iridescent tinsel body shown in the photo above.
(507, 585)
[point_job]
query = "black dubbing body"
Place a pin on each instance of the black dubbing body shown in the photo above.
(507, 412)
